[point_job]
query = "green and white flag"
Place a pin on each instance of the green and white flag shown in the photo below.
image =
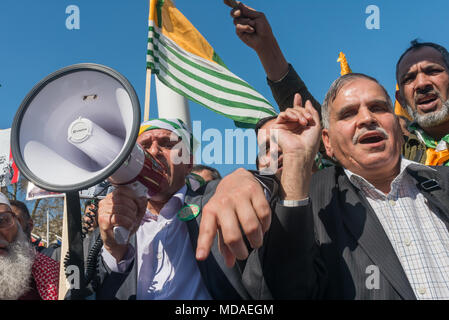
(185, 62)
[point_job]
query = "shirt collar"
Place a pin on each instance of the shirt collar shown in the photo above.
(172, 206)
(180, 194)
(362, 183)
(425, 138)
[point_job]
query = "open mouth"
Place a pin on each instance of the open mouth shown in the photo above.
(163, 166)
(370, 138)
(427, 103)
(159, 165)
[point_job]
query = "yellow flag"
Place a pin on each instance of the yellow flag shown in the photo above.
(399, 110)
(345, 69)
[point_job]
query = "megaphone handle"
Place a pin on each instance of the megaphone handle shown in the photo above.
(121, 234)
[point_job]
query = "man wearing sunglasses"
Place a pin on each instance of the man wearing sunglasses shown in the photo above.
(24, 273)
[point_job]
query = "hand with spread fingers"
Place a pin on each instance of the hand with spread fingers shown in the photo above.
(238, 203)
(120, 208)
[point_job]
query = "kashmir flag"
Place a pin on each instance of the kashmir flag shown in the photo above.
(186, 63)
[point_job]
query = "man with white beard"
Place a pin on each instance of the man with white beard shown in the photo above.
(422, 73)
(24, 273)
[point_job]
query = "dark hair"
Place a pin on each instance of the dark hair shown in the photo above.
(214, 172)
(22, 207)
(414, 45)
(262, 122)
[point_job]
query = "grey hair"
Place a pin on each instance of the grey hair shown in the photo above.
(335, 88)
(16, 266)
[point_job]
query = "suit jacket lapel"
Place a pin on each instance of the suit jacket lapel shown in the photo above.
(364, 225)
(222, 282)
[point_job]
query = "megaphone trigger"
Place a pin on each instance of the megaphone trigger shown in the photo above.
(139, 189)
(121, 235)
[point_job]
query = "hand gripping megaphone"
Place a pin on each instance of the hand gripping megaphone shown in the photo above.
(76, 128)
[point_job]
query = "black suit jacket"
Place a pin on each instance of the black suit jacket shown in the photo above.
(328, 249)
(222, 282)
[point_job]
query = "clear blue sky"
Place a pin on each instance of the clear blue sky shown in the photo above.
(34, 42)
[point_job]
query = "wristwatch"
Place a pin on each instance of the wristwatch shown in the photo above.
(294, 203)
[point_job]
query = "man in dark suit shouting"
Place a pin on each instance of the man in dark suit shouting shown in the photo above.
(375, 226)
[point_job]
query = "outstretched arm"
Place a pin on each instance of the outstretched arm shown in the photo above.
(253, 28)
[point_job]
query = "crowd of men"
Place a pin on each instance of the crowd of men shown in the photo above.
(374, 225)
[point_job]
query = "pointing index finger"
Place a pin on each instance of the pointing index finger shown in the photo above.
(208, 230)
(297, 101)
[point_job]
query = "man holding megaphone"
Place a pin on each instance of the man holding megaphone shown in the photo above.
(159, 260)
(150, 224)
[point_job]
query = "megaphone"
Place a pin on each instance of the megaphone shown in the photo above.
(78, 127)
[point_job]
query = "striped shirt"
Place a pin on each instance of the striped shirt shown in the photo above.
(418, 236)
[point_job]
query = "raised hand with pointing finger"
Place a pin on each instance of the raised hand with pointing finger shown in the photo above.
(240, 204)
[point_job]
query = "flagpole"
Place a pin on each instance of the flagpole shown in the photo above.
(48, 227)
(63, 288)
(146, 114)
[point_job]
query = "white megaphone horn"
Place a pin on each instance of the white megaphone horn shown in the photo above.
(78, 127)
(89, 108)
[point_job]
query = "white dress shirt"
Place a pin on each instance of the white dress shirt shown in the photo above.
(418, 236)
(166, 263)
